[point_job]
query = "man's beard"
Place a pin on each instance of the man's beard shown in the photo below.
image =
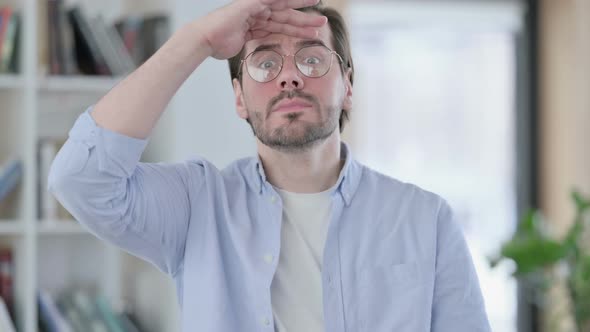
(285, 138)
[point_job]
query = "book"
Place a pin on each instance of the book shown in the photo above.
(130, 322)
(6, 323)
(90, 58)
(55, 39)
(128, 29)
(128, 65)
(120, 60)
(10, 175)
(5, 15)
(6, 280)
(88, 310)
(42, 37)
(51, 318)
(71, 313)
(143, 36)
(106, 47)
(9, 47)
(66, 33)
(105, 311)
(60, 39)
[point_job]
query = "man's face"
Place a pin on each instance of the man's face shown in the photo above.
(293, 112)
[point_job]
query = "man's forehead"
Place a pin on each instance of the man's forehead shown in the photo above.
(285, 41)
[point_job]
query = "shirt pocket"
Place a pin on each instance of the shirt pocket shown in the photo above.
(396, 297)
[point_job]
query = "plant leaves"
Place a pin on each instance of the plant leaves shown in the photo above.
(581, 203)
(533, 253)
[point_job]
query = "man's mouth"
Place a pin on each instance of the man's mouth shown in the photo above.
(291, 105)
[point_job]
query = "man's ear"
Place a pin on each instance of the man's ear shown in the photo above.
(240, 104)
(347, 103)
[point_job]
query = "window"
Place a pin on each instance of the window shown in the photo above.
(434, 97)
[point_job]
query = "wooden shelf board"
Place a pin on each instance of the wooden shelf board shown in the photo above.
(60, 227)
(11, 81)
(11, 227)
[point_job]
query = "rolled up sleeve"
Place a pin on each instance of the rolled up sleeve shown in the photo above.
(141, 207)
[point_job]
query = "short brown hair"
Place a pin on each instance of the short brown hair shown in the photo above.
(340, 40)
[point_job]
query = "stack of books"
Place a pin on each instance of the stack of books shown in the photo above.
(80, 311)
(73, 43)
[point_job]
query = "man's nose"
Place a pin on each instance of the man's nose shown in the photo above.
(289, 77)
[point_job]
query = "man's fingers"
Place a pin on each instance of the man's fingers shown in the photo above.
(263, 15)
(294, 17)
(256, 34)
(286, 29)
(259, 25)
(289, 4)
(280, 16)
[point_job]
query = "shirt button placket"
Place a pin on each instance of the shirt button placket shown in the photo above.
(268, 258)
(265, 321)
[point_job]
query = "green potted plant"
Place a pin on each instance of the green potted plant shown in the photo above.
(542, 260)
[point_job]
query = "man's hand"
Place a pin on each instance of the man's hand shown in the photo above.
(227, 29)
(133, 107)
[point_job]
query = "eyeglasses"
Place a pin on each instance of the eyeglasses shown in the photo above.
(312, 61)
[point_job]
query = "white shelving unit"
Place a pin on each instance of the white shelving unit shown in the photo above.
(55, 254)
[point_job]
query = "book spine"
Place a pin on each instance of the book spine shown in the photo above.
(8, 49)
(5, 14)
(53, 38)
(6, 280)
(80, 23)
(6, 323)
(66, 41)
(10, 175)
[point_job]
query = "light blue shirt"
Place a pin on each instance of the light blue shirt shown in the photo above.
(394, 259)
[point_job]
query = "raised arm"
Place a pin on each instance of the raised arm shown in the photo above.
(133, 107)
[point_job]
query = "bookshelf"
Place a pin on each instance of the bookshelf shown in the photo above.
(10, 82)
(11, 228)
(54, 254)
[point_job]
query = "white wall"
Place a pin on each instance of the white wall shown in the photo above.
(201, 119)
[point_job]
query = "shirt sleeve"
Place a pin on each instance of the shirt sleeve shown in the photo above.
(458, 303)
(142, 208)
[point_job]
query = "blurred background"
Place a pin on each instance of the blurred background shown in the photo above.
(485, 102)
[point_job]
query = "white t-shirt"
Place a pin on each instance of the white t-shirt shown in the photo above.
(296, 290)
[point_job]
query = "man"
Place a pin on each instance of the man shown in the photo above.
(301, 237)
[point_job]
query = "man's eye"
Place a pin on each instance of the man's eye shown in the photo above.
(269, 64)
(312, 60)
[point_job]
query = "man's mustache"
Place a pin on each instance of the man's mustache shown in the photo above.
(290, 95)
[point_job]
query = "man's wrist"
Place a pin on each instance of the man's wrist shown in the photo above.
(196, 32)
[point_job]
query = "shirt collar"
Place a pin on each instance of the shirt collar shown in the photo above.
(346, 185)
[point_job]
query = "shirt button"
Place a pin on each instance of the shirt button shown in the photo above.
(266, 321)
(273, 199)
(268, 258)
